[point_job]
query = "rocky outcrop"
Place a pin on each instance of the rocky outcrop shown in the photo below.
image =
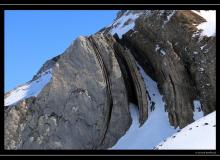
(85, 104)
(139, 90)
(172, 55)
(15, 122)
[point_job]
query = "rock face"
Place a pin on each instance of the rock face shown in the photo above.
(138, 91)
(85, 104)
(172, 55)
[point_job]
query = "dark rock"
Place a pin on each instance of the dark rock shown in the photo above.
(125, 55)
(152, 107)
(176, 71)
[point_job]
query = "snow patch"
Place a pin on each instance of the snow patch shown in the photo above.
(209, 27)
(198, 113)
(161, 51)
(168, 18)
(203, 46)
(201, 69)
(29, 89)
(195, 52)
(198, 135)
(157, 48)
(120, 27)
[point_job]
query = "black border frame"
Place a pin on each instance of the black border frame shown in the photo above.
(106, 2)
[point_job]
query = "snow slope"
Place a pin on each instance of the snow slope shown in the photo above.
(209, 27)
(30, 89)
(154, 130)
(127, 22)
(199, 135)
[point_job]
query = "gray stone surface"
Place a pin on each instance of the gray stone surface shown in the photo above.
(177, 72)
(139, 85)
(84, 106)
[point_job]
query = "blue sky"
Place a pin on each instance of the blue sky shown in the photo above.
(32, 37)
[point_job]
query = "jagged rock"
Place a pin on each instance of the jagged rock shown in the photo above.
(166, 49)
(84, 106)
(15, 123)
(126, 58)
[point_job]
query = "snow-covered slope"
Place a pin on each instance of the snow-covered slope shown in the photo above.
(29, 89)
(199, 135)
(155, 129)
(124, 23)
(209, 27)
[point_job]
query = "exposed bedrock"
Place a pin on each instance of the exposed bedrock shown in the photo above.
(85, 105)
(172, 55)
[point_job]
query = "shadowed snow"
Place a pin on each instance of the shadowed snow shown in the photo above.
(154, 130)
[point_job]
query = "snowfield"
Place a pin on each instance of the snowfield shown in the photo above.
(199, 135)
(29, 89)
